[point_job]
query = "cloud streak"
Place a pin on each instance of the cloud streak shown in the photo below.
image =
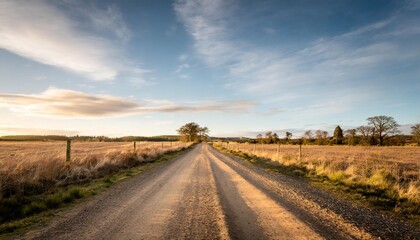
(35, 131)
(40, 31)
(261, 69)
(68, 103)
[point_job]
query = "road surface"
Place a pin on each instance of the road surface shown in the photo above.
(205, 194)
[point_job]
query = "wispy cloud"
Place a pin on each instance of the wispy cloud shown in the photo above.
(42, 32)
(262, 69)
(205, 21)
(109, 19)
(63, 102)
(181, 70)
(35, 131)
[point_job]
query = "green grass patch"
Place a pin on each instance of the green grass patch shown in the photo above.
(20, 213)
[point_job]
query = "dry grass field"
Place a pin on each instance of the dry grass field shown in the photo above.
(392, 169)
(28, 168)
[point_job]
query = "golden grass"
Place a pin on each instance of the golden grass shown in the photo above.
(28, 168)
(392, 168)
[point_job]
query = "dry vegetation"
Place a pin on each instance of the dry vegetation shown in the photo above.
(28, 168)
(394, 171)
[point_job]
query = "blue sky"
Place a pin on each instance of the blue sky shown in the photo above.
(238, 67)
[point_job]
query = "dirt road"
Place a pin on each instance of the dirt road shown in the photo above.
(208, 195)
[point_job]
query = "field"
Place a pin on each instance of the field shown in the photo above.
(393, 170)
(28, 168)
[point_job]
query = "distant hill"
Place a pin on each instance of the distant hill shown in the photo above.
(89, 138)
(34, 138)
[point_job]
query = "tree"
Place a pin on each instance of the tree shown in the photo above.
(338, 135)
(415, 130)
(288, 136)
(203, 133)
(351, 136)
(307, 136)
(367, 134)
(321, 136)
(190, 132)
(275, 138)
(260, 139)
(269, 137)
(384, 126)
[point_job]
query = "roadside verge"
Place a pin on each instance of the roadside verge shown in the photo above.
(361, 195)
(21, 213)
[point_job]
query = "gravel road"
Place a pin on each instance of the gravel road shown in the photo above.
(205, 194)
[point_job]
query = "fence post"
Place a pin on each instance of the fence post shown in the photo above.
(68, 151)
(134, 146)
(300, 152)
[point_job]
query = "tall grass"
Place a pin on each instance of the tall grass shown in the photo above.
(393, 171)
(29, 168)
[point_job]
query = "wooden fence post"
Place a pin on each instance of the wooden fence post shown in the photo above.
(300, 152)
(134, 146)
(68, 151)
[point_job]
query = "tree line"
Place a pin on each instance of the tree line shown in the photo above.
(380, 130)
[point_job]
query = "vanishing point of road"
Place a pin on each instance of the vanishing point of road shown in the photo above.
(205, 194)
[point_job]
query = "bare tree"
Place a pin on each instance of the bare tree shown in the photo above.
(351, 136)
(415, 130)
(260, 138)
(321, 136)
(269, 137)
(288, 136)
(367, 134)
(384, 127)
(307, 136)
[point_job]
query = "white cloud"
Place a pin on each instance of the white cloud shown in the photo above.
(35, 131)
(266, 70)
(110, 19)
(68, 103)
(183, 57)
(205, 21)
(183, 67)
(40, 31)
(269, 30)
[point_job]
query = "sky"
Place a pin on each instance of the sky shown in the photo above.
(239, 67)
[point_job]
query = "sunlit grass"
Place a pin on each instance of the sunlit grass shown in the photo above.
(21, 211)
(388, 175)
(28, 168)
